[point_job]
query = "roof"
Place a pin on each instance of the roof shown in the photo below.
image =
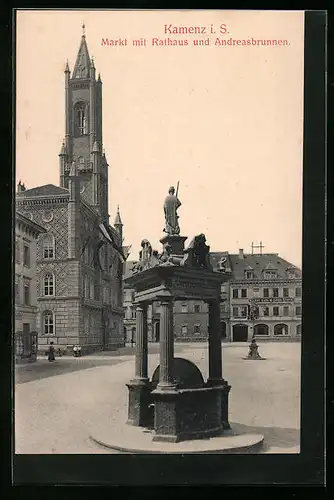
(33, 226)
(83, 62)
(259, 263)
(127, 268)
(46, 190)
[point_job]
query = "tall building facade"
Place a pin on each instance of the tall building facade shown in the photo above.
(25, 288)
(261, 294)
(79, 275)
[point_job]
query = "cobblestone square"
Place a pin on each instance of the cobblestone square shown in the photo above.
(59, 404)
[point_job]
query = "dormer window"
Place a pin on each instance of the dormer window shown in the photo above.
(270, 274)
(249, 275)
(291, 272)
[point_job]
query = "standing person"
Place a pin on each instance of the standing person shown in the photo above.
(51, 356)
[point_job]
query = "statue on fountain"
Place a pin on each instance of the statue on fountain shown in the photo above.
(171, 204)
(197, 254)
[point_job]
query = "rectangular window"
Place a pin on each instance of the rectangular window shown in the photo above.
(235, 312)
(244, 292)
(266, 292)
(17, 252)
(298, 311)
(275, 292)
(266, 311)
(235, 293)
(27, 292)
(184, 308)
(249, 275)
(286, 311)
(184, 330)
(26, 256)
(243, 311)
(285, 292)
(275, 311)
(298, 292)
(197, 308)
(48, 323)
(256, 292)
(197, 328)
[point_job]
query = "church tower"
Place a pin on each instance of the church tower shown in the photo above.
(83, 132)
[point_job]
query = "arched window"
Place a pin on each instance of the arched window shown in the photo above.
(49, 284)
(48, 323)
(48, 247)
(299, 329)
(261, 329)
(281, 329)
(80, 119)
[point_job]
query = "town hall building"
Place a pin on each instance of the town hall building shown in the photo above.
(79, 258)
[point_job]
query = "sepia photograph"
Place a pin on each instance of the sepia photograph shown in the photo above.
(158, 279)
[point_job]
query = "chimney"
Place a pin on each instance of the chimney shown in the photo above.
(241, 253)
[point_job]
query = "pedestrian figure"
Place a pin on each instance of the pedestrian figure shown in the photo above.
(79, 350)
(51, 356)
(131, 342)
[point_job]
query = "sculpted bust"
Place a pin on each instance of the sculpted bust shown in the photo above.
(171, 204)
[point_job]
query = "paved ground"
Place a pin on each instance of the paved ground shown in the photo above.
(58, 405)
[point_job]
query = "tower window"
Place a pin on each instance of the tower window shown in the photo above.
(81, 126)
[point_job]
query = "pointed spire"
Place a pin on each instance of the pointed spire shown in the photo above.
(83, 29)
(83, 63)
(63, 150)
(99, 78)
(118, 220)
(67, 68)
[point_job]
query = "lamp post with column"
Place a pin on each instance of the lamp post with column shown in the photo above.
(252, 315)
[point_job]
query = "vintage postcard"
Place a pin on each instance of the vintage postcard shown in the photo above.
(158, 233)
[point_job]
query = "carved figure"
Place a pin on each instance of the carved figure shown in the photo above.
(73, 169)
(171, 204)
(197, 253)
(146, 251)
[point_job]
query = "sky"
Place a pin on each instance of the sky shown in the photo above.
(225, 121)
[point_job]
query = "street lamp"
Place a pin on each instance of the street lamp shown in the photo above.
(252, 315)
